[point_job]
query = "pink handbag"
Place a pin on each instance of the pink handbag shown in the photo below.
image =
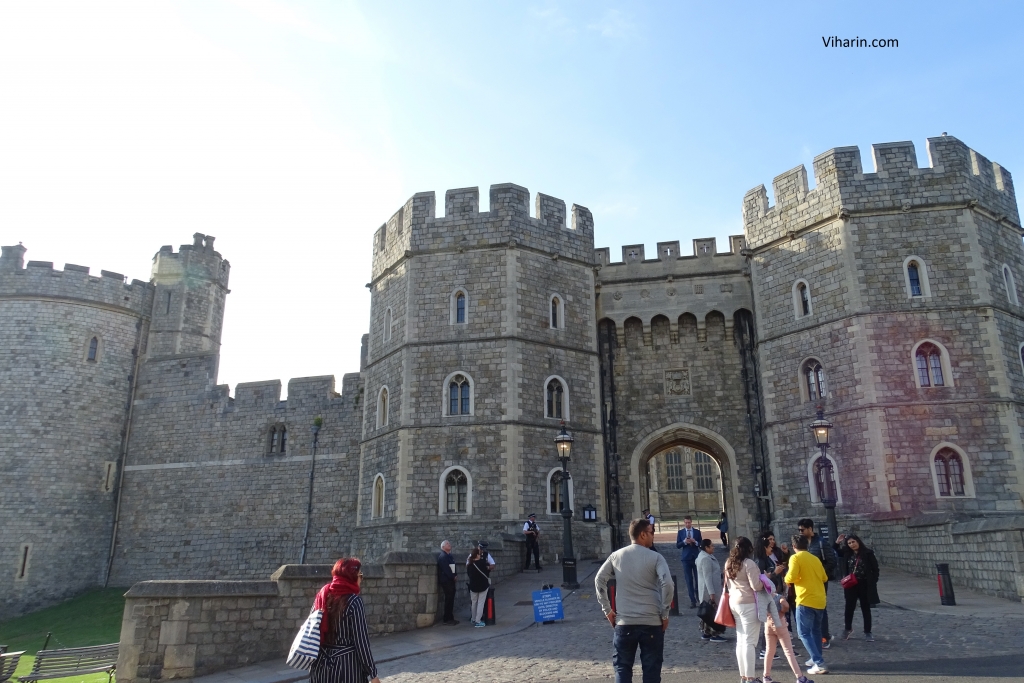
(724, 616)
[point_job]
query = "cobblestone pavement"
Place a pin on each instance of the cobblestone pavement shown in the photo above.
(908, 644)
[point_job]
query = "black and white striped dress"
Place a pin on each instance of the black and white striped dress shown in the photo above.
(347, 659)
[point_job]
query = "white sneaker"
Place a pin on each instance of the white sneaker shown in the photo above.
(809, 662)
(818, 670)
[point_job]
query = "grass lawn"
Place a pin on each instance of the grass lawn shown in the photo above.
(93, 618)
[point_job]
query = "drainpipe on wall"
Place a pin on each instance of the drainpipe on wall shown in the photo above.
(133, 384)
(317, 423)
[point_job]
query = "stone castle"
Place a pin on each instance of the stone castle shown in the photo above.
(889, 298)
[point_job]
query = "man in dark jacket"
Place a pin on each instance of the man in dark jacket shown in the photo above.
(823, 551)
(446, 576)
(689, 539)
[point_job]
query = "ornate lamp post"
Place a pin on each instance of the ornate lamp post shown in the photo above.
(824, 477)
(563, 444)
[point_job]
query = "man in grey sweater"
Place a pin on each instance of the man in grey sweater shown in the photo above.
(643, 596)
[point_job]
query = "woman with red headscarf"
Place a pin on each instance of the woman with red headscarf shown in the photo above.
(345, 655)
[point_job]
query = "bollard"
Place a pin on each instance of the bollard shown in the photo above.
(611, 593)
(945, 585)
(489, 613)
(674, 609)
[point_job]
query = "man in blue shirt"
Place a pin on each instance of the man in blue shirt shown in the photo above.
(689, 540)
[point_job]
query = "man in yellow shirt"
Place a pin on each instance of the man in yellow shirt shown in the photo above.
(808, 576)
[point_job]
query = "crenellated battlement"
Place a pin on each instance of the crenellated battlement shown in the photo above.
(956, 174)
(669, 260)
(198, 260)
(41, 279)
(416, 228)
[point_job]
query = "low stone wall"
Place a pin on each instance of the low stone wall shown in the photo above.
(183, 629)
(985, 555)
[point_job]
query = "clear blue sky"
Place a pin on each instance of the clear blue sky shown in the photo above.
(290, 131)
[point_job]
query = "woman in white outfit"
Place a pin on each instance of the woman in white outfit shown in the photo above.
(748, 601)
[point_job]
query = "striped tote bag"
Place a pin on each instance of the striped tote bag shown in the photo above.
(306, 645)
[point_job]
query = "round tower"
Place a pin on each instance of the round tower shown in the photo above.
(70, 343)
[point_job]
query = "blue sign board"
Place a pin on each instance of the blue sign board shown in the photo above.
(547, 605)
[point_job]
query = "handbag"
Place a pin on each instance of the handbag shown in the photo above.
(850, 580)
(706, 611)
(306, 646)
(724, 615)
(482, 572)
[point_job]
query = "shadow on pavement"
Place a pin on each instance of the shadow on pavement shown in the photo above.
(997, 666)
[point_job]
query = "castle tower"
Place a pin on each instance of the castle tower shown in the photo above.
(71, 342)
(188, 307)
(892, 299)
(482, 340)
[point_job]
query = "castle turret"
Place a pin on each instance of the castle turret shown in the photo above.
(188, 308)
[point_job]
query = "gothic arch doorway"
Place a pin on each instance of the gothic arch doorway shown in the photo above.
(681, 434)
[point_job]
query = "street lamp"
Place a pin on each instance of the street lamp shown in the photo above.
(824, 475)
(563, 444)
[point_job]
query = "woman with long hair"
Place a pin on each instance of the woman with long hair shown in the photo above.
(770, 559)
(345, 655)
(479, 573)
(859, 560)
(748, 601)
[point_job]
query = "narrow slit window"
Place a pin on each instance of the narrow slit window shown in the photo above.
(555, 312)
(167, 310)
(23, 558)
(805, 299)
(914, 274)
(274, 439)
(284, 439)
(460, 308)
(94, 345)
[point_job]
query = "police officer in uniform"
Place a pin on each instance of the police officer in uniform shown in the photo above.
(532, 531)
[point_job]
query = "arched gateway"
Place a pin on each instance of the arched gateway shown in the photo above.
(741, 520)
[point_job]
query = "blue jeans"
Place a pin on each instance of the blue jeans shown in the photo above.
(690, 574)
(651, 640)
(808, 627)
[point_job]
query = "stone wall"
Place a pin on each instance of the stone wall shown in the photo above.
(184, 629)
(985, 555)
(64, 418)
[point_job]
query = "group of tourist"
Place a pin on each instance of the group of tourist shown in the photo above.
(479, 566)
(765, 583)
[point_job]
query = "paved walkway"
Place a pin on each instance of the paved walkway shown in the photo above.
(579, 651)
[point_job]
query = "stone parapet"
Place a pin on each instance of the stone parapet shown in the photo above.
(184, 629)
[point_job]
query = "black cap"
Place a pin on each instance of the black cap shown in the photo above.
(482, 544)
(532, 514)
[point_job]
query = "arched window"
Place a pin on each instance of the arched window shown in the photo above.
(377, 508)
(928, 361)
(915, 277)
(556, 399)
(949, 473)
(557, 314)
(94, 346)
(382, 407)
(277, 443)
(824, 479)
(387, 325)
(459, 307)
(704, 471)
(1011, 286)
(458, 395)
(802, 304)
(555, 502)
(813, 378)
(456, 491)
